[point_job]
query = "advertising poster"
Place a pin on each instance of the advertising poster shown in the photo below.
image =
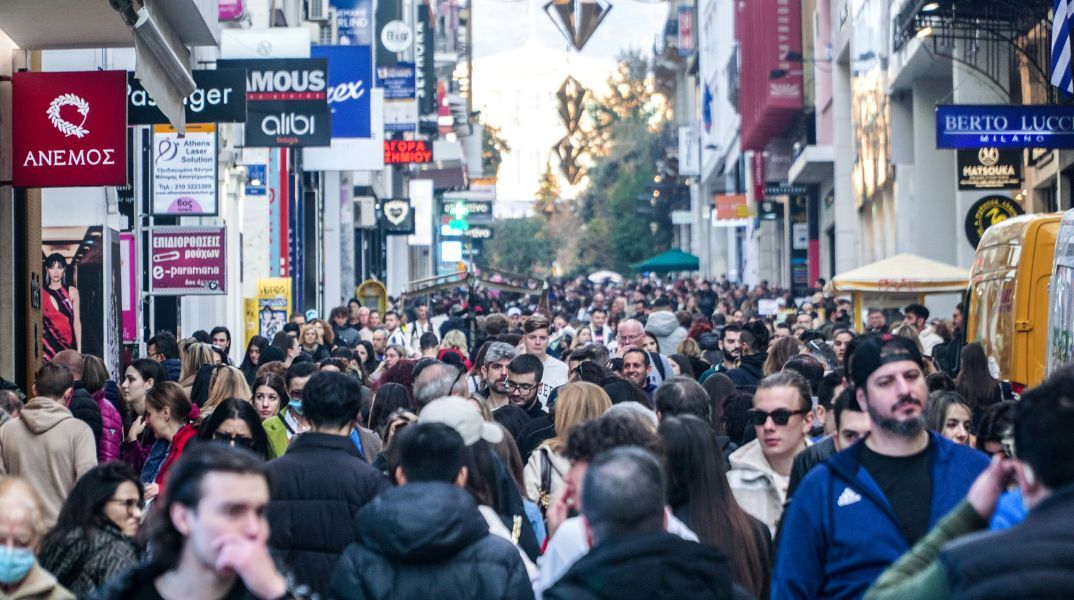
(354, 20)
(79, 295)
(400, 103)
(350, 80)
(186, 261)
(286, 101)
(129, 287)
(273, 304)
(185, 171)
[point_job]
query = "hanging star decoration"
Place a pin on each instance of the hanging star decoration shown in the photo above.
(571, 97)
(577, 20)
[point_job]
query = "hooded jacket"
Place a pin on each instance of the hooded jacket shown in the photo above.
(759, 490)
(665, 328)
(50, 449)
(425, 539)
(644, 566)
(840, 532)
(749, 372)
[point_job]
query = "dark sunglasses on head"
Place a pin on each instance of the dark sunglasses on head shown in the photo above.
(241, 441)
(780, 416)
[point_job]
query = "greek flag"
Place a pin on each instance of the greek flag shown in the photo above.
(1062, 75)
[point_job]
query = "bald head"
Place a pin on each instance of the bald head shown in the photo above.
(72, 360)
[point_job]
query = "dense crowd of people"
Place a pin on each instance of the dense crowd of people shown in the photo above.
(642, 439)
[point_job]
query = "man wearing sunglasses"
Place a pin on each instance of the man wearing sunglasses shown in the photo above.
(760, 472)
(859, 511)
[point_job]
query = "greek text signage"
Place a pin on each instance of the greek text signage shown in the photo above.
(1002, 126)
(184, 171)
(407, 151)
(286, 101)
(220, 97)
(69, 129)
(187, 260)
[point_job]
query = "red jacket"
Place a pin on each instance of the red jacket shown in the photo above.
(175, 450)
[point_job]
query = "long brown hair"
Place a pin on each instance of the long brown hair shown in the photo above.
(974, 382)
(782, 350)
(697, 479)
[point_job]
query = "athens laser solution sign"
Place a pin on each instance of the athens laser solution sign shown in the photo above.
(187, 260)
(184, 171)
(286, 101)
(69, 129)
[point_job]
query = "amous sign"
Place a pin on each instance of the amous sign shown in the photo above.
(69, 129)
(287, 101)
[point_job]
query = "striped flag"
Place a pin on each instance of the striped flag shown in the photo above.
(1062, 74)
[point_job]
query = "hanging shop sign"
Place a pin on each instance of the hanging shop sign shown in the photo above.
(350, 80)
(1038, 157)
(354, 21)
(273, 304)
(185, 171)
(986, 212)
(400, 101)
(220, 97)
(731, 207)
(989, 169)
(286, 101)
(1002, 126)
(185, 261)
(785, 189)
(407, 151)
(69, 129)
(129, 286)
(473, 232)
(425, 73)
(231, 10)
(397, 217)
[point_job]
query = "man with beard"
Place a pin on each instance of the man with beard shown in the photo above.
(523, 381)
(494, 373)
(865, 507)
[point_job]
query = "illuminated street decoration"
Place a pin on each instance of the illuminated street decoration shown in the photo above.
(571, 97)
(577, 20)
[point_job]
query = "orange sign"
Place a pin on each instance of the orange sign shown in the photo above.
(731, 206)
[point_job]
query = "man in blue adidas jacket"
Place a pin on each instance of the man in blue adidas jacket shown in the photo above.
(858, 512)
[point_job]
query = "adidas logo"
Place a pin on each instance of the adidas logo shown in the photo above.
(848, 497)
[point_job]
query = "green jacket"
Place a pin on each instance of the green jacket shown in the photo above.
(276, 430)
(919, 574)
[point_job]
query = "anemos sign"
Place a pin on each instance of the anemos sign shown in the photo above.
(69, 129)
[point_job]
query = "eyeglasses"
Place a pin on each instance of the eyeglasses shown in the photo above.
(525, 388)
(234, 440)
(780, 416)
(130, 504)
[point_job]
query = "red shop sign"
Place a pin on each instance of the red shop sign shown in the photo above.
(69, 129)
(407, 151)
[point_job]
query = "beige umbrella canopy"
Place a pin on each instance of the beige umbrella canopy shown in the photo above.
(903, 274)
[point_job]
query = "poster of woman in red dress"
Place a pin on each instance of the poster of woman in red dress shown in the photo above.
(60, 308)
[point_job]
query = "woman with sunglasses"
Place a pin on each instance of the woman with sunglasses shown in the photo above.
(94, 536)
(237, 424)
(782, 417)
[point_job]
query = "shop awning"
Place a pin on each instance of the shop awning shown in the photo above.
(904, 273)
(669, 262)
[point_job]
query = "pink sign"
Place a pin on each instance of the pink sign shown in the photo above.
(231, 10)
(129, 310)
(187, 261)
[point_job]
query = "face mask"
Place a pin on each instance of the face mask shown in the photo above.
(15, 563)
(296, 405)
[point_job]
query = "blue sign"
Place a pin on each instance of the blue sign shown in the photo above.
(349, 84)
(399, 81)
(1003, 126)
(256, 176)
(354, 20)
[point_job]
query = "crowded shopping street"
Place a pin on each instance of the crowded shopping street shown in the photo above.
(536, 299)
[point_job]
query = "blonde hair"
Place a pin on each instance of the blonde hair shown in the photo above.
(195, 356)
(308, 327)
(689, 347)
(16, 490)
(577, 403)
(455, 339)
(227, 382)
(782, 350)
(909, 331)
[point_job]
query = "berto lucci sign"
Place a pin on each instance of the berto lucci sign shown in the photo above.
(69, 129)
(1002, 126)
(286, 101)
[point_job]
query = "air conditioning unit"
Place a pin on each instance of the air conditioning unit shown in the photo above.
(317, 10)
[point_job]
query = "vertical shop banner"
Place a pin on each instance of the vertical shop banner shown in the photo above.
(354, 21)
(69, 129)
(185, 261)
(185, 171)
(400, 102)
(425, 75)
(130, 287)
(286, 101)
(350, 82)
(686, 41)
(392, 34)
(273, 304)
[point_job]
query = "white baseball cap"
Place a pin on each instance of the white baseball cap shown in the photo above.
(463, 417)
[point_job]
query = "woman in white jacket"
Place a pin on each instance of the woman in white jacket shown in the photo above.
(576, 403)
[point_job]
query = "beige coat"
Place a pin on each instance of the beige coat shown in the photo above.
(40, 585)
(759, 490)
(50, 449)
(532, 472)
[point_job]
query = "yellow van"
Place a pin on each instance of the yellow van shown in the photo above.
(1007, 301)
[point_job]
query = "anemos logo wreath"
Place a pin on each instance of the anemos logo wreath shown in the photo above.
(66, 127)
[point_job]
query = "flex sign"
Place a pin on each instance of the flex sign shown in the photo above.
(69, 129)
(286, 101)
(1002, 126)
(220, 97)
(350, 80)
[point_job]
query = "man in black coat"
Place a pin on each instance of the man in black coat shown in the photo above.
(633, 556)
(82, 405)
(427, 537)
(319, 486)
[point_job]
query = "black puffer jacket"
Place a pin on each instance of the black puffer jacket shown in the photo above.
(646, 565)
(426, 540)
(84, 408)
(318, 487)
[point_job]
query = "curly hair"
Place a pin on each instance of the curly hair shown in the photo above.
(589, 439)
(402, 373)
